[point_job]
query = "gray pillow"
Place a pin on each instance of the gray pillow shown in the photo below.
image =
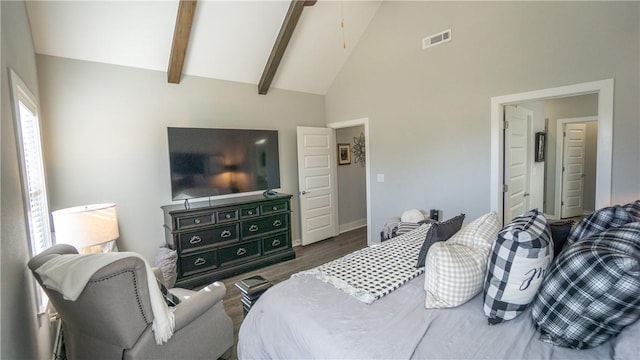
(560, 230)
(166, 261)
(439, 231)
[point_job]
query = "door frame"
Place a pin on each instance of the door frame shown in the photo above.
(604, 89)
(557, 210)
(367, 150)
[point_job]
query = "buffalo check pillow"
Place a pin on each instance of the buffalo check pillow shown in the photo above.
(455, 269)
(518, 262)
(591, 291)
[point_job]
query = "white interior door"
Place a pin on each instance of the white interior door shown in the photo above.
(517, 157)
(573, 152)
(317, 183)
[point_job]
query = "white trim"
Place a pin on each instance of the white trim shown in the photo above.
(367, 150)
(604, 89)
(557, 211)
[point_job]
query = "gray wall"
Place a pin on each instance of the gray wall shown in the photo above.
(24, 335)
(429, 110)
(106, 135)
(352, 201)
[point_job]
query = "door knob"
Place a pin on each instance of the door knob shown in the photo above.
(526, 194)
(304, 192)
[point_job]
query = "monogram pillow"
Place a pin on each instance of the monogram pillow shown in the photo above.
(519, 259)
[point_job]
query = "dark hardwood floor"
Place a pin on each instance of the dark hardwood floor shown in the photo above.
(306, 257)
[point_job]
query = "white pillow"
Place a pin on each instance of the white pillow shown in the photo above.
(455, 269)
(412, 216)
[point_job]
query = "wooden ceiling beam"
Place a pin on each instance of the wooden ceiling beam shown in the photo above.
(181, 33)
(282, 41)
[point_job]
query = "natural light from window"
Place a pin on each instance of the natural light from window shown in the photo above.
(32, 171)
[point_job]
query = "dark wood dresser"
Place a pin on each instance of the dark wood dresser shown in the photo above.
(221, 238)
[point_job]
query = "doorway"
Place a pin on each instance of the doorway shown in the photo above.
(317, 180)
(603, 88)
(363, 125)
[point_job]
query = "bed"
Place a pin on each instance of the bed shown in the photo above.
(308, 317)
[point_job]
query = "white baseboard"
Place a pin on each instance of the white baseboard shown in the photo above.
(353, 225)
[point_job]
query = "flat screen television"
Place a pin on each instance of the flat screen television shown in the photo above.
(208, 162)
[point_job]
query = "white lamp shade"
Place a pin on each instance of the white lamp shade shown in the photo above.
(88, 225)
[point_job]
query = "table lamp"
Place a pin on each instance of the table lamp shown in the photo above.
(86, 227)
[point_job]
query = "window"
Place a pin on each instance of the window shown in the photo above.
(27, 127)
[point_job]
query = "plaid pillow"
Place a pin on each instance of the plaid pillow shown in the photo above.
(518, 261)
(440, 231)
(591, 291)
(600, 220)
(171, 299)
(633, 209)
(455, 269)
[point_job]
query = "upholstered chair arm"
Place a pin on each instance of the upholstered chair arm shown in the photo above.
(197, 303)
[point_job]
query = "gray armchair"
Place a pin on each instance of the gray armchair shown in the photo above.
(112, 317)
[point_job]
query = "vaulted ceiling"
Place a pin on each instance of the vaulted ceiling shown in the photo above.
(229, 40)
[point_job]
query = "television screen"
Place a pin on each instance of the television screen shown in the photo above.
(209, 162)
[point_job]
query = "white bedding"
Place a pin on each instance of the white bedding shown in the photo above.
(305, 318)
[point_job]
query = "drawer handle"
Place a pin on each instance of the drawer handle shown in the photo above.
(275, 208)
(275, 242)
(253, 228)
(225, 234)
(277, 223)
(250, 212)
(195, 239)
(228, 216)
(199, 261)
(197, 221)
(241, 251)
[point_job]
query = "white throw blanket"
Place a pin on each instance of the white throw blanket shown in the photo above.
(69, 274)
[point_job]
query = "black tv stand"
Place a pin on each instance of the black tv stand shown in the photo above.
(219, 238)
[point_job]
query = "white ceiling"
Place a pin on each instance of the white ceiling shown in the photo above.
(230, 40)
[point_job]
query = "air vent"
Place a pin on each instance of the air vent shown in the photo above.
(436, 39)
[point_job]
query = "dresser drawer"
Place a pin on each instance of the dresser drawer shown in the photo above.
(193, 240)
(275, 206)
(195, 220)
(227, 215)
(264, 225)
(198, 262)
(244, 250)
(249, 212)
(275, 242)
